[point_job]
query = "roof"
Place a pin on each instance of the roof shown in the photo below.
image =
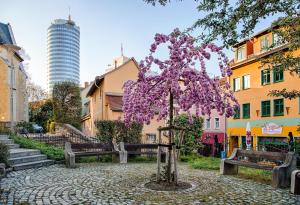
(115, 102)
(6, 36)
(99, 79)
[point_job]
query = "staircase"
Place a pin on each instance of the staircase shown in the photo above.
(20, 158)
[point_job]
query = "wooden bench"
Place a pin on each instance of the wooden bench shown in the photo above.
(75, 150)
(281, 164)
(143, 149)
(295, 182)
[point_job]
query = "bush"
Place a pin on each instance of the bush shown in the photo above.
(4, 153)
(117, 130)
(52, 152)
(28, 126)
(192, 133)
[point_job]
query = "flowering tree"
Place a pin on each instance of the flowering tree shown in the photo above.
(182, 79)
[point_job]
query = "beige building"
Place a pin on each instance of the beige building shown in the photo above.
(105, 98)
(13, 97)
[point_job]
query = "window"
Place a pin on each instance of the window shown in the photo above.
(276, 39)
(246, 81)
(265, 77)
(207, 123)
(265, 108)
(264, 43)
(246, 110)
(151, 137)
(236, 84)
(236, 113)
(217, 123)
(278, 107)
(240, 53)
(278, 74)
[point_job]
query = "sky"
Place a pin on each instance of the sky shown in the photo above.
(104, 25)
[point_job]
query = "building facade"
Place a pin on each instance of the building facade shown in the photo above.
(105, 98)
(271, 119)
(13, 96)
(214, 134)
(63, 47)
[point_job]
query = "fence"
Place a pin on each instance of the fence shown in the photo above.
(60, 140)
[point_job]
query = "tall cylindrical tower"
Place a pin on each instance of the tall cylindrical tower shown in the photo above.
(63, 53)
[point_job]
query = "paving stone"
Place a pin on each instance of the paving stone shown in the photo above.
(106, 183)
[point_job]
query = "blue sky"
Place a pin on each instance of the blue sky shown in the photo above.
(104, 25)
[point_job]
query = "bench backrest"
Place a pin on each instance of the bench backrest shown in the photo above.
(76, 147)
(259, 155)
(135, 147)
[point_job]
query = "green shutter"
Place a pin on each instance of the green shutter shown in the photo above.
(246, 110)
(243, 82)
(262, 77)
(233, 84)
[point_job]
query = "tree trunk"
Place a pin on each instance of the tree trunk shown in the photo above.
(169, 170)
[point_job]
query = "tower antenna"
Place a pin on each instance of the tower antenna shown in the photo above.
(69, 13)
(122, 54)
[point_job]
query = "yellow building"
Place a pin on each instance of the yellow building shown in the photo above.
(271, 118)
(13, 97)
(105, 98)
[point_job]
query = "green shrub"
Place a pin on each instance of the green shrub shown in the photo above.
(116, 129)
(52, 152)
(4, 153)
(192, 133)
(25, 125)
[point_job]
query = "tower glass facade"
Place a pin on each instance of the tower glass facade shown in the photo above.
(63, 42)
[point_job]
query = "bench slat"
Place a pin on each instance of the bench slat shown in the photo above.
(249, 164)
(274, 156)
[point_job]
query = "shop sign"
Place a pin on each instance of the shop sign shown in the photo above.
(271, 128)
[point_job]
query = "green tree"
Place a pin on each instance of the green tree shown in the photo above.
(192, 133)
(232, 21)
(40, 112)
(67, 103)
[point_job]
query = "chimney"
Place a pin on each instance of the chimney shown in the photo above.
(115, 64)
(86, 84)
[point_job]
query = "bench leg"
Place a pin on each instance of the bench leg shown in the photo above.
(295, 182)
(228, 169)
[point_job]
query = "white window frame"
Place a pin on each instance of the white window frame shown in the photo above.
(207, 123)
(264, 40)
(246, 81)
(240, 53)
(217, 122)
(237, 83)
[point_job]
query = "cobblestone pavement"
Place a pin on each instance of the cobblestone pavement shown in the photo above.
(124, 184)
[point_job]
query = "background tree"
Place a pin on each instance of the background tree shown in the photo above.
(35, 92)
(192, 133)
(40, 112)
(182, 79)
(233, 21)
(67, 103)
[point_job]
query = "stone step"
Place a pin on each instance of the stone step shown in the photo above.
(26, 159)
(13, 146)
(30, 165)
(16, 153)
(7, 141)
(4, 137)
